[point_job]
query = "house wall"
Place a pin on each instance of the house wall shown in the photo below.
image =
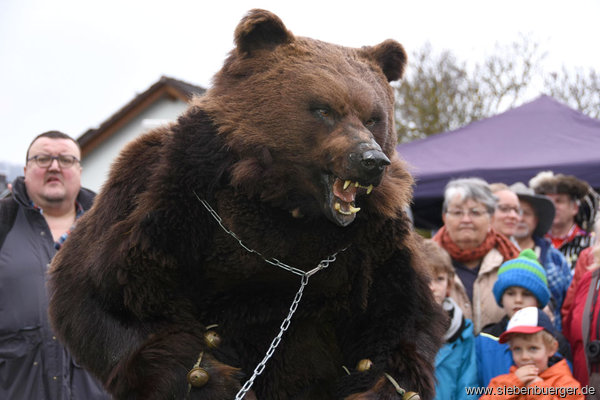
(96, 164)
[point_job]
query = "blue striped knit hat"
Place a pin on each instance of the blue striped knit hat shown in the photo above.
(524, 271)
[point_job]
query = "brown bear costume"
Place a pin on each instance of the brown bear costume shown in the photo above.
(294, 149)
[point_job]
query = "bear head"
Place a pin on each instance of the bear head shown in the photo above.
(310, 124)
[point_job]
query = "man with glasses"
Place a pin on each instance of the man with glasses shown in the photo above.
(34, 222)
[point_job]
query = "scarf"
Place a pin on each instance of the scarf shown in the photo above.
(492, 240)
(456, 320)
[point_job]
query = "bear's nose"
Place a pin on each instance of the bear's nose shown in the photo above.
(374, 161)
(367, 166)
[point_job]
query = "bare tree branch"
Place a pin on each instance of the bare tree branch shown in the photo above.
(440, 93)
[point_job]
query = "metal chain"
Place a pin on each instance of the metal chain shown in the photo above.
(286, 322)
(284, 327)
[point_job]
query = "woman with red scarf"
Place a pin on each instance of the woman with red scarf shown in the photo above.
(477, 250)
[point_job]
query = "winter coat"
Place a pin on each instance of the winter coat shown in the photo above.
(455, 367)
(572, 328)
(585, 259)
(33, 364)
(484, 309)
(556, 377)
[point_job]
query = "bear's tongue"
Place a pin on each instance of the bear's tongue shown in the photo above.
(339, 200)
(346, 195)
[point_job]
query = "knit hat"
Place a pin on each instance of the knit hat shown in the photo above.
(526, 272)
(528, 320)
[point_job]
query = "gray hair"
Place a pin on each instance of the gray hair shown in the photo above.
(470, 189)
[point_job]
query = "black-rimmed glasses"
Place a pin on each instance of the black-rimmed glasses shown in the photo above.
(45, 160)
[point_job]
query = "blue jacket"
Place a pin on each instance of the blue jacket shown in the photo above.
(559, 276)
(455, 366)
(493, 358)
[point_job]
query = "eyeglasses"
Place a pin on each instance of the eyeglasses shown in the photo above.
(45, 160)
(472, 212)
(506, 209)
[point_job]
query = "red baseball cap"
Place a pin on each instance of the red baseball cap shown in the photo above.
(528, 320)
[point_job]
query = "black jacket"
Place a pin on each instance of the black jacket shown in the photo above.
(34, 364)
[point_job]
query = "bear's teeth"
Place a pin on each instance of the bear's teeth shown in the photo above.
(296, 213)
(351, 209)
(348, 182)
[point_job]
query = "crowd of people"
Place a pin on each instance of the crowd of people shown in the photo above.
(516, 268)
(519, 277)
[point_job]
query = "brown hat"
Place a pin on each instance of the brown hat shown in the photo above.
(547, 183)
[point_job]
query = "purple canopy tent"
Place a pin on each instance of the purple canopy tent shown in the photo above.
(513, 146)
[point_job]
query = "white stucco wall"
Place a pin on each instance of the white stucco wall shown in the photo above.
(96, 164)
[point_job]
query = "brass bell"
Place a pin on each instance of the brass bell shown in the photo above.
(364, 365)
(411, 396)
(212, 339)
(198, 377)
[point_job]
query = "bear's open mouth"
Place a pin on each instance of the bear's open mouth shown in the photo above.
(344, 193)
(341, 196)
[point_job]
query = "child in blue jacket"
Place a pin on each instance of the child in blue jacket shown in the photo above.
(455, 364)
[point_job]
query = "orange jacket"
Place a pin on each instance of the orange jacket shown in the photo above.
(557, 378)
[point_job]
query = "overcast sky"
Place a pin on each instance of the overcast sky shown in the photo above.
(70, 64)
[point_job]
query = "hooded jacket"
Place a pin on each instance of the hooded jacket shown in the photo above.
(455, 366)
(573, 328)
(33, 364)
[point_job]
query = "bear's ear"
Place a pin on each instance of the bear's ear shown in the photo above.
(260, 29)
(390, 56)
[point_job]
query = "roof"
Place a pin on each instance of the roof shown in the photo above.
(169, 87)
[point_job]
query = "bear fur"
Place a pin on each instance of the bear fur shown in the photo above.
(148, 270)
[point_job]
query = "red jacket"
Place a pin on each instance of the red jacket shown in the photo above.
(555, 378)
(572, 328)
(585, 259)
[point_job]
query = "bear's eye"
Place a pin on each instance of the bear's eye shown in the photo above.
(323, 112)
(371, 122)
